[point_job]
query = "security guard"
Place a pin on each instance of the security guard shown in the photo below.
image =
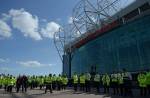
(88, 82)
(120, 83)
(82, 82)
(10, 84)
(97, 82)
(148, 81)
(142, 83)
(106, 82)
(1, 81)
(64, 82)
(54, 78)
(6, 79)
(114, 83)
(33, 82)
(59, 82)
(75, 81)
(48, 83)
(127, 78)
(41, 82)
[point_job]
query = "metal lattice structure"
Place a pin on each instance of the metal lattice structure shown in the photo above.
(63, 37)
(88, 16)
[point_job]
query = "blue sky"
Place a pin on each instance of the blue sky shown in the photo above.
(26, 34)
(26, 29)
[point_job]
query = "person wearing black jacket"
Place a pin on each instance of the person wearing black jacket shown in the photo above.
(18, 83)
(24, 81)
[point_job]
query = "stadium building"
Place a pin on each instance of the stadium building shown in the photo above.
(123, 43)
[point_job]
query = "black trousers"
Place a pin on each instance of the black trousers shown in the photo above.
(64, 86)
(18, 87)
(24, 87)
(59, 85)
(54, 85)
(82, 85)
(127, 90)
(48, 87)
(75, 86)
(41, 85)
(121, 90)
(106, 88)
(97, 86)
(148, 88)
(115, 87)
(0, 86)
(143, 91)
(9, 88)
(88, 86)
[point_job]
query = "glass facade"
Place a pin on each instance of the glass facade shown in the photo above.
(127, 46)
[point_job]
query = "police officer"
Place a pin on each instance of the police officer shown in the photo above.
(10, 84)
(114, 83)
(48, 83)
(148, 81)
(33, 82)
(75, 81)
(88, 82)
(54, 78)
(64, 82)
(142, 83)
(127, 78)
(59, 82)
(120, 83)
(82, 82)
(106, 82)
(6, 80)
(41, 82)
(1, 79)
(97, 82)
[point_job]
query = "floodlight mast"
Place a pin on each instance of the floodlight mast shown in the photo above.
(63, 38)
(89, 15)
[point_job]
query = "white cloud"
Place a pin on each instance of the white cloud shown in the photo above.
(50, 29)
(70, 20)
(4, 60)
(32, 64)
(26, 23)
(5, 30)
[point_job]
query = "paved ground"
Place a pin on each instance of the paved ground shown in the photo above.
(56, 94)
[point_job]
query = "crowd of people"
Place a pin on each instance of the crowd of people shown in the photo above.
(47, 82)
(120, 83)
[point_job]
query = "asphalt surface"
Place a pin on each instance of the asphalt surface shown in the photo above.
(36, 93)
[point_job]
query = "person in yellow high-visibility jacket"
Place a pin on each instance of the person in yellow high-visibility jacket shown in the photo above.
(82, 82)
(75, 81)
(114, 83)
(1, 81)
(142, 83)
(106, 82)
(148, 81)
(97, 82)
(64, 82)
(48, 83)
(120, 83)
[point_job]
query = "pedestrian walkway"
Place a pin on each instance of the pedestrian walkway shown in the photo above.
(56, 94)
